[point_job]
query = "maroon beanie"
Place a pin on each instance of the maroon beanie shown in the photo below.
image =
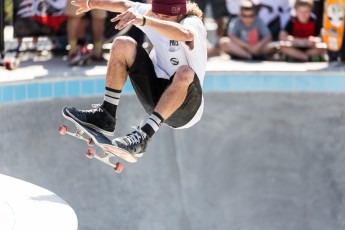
(169, 7)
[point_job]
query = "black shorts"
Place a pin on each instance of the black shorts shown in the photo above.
(149, 88)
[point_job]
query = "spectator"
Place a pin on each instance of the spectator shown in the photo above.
(76, 32)
(275, 14)
(317, 12)
(219, 12)
(220, 16)
(302, 33)
(32, 46)
(248, 36)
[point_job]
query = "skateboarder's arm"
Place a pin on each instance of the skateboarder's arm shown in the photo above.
(109, 5)
(171, 30)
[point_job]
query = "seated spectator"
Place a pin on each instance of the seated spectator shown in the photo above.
(76, 33)
(219, 13)
(220, 16)
(248, 36)
(302, 34)
(275, 14)
(32, 46)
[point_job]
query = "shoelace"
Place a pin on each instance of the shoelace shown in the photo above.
(96, 108)
(134, 138)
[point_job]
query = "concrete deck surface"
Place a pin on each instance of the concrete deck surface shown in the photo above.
(50, 67)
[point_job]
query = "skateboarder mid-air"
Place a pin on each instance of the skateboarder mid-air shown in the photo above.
(168, 81)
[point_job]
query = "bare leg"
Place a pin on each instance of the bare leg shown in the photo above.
(73, 33)
(176, 93)
(220, 27)
(97, 35)
(229, 47)
(295, 53)
(122, 55)
(315, 51)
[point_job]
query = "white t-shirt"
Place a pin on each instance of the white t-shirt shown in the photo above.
(167, 55)
(280, 8)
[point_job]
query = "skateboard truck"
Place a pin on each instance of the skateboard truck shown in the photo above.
(78, 134)
(91, 153)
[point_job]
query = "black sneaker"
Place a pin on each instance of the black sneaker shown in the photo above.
(98, 119)
(135, 142)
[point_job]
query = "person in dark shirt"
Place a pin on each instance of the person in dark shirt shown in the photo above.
(301, 33)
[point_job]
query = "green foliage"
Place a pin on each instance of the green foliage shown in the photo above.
(8, 12)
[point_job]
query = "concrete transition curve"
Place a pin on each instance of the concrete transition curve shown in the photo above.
(27, 206)
(254, 162)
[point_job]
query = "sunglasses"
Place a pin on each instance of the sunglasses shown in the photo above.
(247, 15)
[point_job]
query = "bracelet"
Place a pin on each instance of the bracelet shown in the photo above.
(87, 4)
(144, 21)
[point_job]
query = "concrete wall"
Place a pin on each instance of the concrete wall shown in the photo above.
(254, 162)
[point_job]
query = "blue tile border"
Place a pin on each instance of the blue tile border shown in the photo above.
(7, 93)
(214, 82)
(275, 82)
(31, 91)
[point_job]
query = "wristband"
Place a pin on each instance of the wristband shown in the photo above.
(87, 4)
(144, 21)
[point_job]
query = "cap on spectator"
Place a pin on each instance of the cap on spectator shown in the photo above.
(169, 7)
(247, 4)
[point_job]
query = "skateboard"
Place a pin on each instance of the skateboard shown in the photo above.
(13, 57)
(92, 137)
(333, 24)
(83, 58)
(278, 44)
(11, 60)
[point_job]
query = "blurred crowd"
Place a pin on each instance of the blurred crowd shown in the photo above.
(287, 30)
(275, 30)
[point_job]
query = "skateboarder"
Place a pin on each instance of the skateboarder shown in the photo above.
(168, 81)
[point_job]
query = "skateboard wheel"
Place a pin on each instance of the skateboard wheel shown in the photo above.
(119, 167)
(63, 129)
(90, 153)
(11, 64)
(90, 142)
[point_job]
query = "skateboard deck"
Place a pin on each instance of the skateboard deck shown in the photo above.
(333, 24)
(91, 136)
(11, 60)
(279, 44)
(84, 60)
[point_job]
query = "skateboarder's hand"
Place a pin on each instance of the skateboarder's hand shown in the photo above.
(127, 18)
(82, 6)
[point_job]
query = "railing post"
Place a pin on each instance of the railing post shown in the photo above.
(2, 26)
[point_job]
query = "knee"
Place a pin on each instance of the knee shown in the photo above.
(184, 76)
(225, 44)
(123, 44)
(223, 41)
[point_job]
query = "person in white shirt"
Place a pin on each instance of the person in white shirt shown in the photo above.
(168, 81)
